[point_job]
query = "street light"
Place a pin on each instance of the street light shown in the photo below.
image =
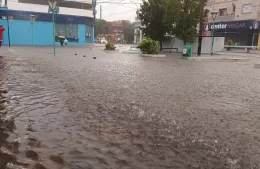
(32, 19)
(54, 10)
(214, 16)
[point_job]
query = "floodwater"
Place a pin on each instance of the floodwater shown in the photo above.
(125, 112)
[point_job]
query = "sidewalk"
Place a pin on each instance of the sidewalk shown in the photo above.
(221, 57)
(99, 45)
(4, 51)
(254, 53)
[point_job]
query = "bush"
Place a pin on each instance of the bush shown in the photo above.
(110, 46)
(148, 46)
(230, 43)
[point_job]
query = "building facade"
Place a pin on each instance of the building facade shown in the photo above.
(75, 20)
(138, 33)
(237, 20)
(115, 32)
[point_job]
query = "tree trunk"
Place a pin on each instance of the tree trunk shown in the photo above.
(185, 42)
(160, 45)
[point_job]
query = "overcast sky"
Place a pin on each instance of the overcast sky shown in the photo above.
(116, 11)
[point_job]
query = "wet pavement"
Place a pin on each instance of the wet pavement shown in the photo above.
(125, 111)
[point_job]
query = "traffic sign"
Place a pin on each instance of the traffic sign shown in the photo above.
(56, 10)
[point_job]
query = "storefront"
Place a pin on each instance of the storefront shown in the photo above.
(78, 30)
(242, 33)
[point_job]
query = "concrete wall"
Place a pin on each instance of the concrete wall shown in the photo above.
(250, 8)
(206, 44)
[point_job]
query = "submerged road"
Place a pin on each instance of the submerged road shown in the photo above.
(123, 111)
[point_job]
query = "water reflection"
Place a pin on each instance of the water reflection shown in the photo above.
(27, 114)
(7, 126)
(95, 128)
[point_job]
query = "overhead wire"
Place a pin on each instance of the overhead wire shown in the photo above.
(122, 3)
(120, 13)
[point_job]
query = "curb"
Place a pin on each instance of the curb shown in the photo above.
(221, 59)
(153, 56)
(131, 52)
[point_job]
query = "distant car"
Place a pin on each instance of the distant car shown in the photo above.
(97, 41)
(103, 41)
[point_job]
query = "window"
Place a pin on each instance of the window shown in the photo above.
(74, 4)
(60, 29)
(234, 8)
(223, 12)
(70, 31)
(247, 8)
(88, 34)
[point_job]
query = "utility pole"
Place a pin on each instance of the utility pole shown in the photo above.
(100, 20)
(201, 26)
(53, 26)
(8, 25)
(100, 12)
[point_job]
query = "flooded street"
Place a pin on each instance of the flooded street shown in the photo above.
(123, 111)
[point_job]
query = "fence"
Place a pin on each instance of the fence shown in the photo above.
(206, 45)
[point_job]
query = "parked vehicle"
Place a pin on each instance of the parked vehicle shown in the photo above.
(103, 41)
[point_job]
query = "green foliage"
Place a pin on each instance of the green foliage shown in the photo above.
(110, 46)
(152, 16)
(101, 27)
(128, 31)
(187, 22)
(230, 42)
(148, 46)
(177, 17)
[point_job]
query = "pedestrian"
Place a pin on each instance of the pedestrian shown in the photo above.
(62, 38)
(2, 29)
(66, 41)
(61, 41)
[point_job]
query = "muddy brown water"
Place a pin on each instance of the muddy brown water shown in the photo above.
(46, 125)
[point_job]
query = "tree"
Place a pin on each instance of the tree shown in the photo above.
(101, 27)
(186, 23)
(128, 31)
(152, 17)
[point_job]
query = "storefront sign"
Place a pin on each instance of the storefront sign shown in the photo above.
(246, 24)
(24, 15)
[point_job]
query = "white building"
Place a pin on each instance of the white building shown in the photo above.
(75, 21)
(67, 7)
(138, 33)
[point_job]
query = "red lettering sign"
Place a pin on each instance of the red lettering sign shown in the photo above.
(236, 25)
